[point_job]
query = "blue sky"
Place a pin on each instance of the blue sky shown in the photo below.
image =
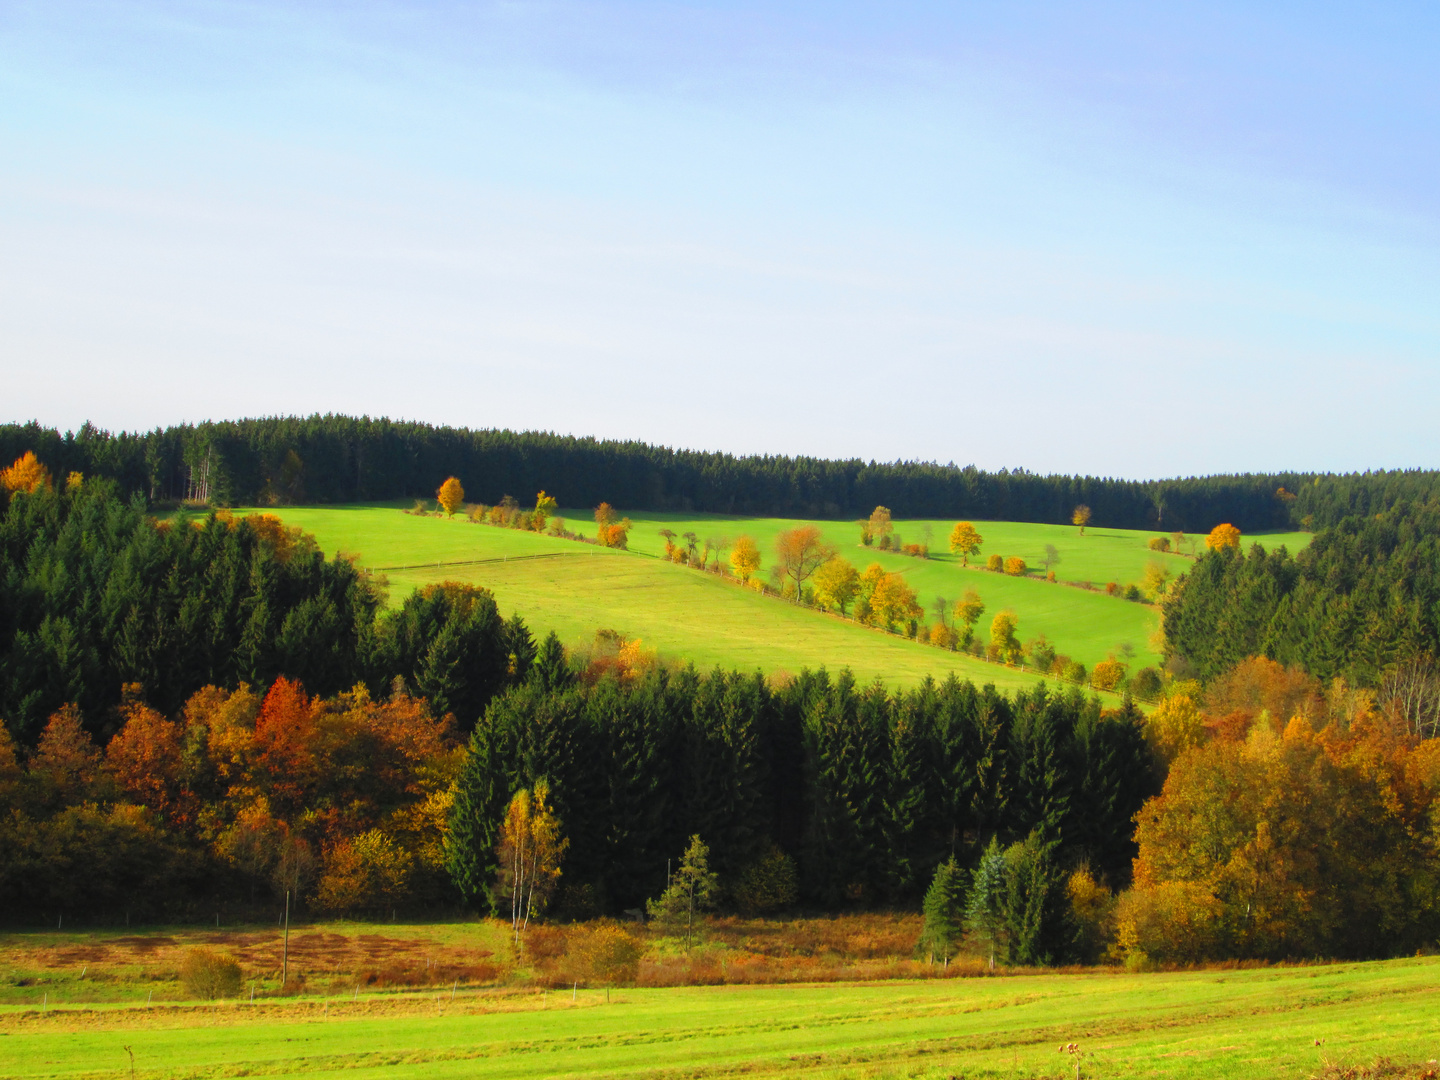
(1106, 238)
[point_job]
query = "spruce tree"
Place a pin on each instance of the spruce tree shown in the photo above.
(944, 910)
(985, 907)
(1034, 906)
(481, 794)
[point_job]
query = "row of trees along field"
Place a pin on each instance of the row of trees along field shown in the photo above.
(348, 459)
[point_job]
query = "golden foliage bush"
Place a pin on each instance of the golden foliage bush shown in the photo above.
(604, 954)
(1172, 922)
(208, 974)
(1107, 675)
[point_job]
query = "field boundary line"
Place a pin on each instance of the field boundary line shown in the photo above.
(490, 559)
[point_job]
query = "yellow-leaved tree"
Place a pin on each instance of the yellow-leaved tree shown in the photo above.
(1081, 517)
(544, 506)
(1004, 644)
(745, 558)
(451, 496)
(879, 528)
(837, 583)
(27, 475)
(968, 610)
(529, 854)
(965, 541)
(1223, 536)
(893, 601)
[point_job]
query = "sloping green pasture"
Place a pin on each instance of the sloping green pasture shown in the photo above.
(1263, 1023)
(576, 589)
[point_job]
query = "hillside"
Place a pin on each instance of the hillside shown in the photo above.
(577, 589)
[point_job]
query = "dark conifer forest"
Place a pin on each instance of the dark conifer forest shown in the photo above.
(333, 459)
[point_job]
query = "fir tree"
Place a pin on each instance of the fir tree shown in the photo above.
(944, 908)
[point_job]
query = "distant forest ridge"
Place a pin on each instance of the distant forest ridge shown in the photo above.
(338, 459)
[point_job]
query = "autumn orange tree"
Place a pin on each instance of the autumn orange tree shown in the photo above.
(1081, 517)
(451, 495)
(1302, 842)
(609, 532)
(1223, 536)
(26, 474)
(965, 541)
(801, 551)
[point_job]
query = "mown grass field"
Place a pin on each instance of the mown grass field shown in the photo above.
(576, 589)
(1262, 1022)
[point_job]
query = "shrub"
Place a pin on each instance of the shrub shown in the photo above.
(205, 973)
(1111, 588)
(1174, 922)
(1074, 672)
(1146, 683)
(944, 637)
(995, 562)
(1015, 566)
(604, 955)
(1107, 675)
(1132, 593)
(1050, 575)
(1092, 913)
(1041, 653)
(1159, 543)
(768, 884)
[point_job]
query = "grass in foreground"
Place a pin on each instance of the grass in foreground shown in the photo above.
(1268, 1022)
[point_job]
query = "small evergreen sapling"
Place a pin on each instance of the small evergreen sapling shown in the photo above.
(691, 890)
(944, 910)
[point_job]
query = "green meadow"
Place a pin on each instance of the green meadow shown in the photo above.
(1257, 1023)
(577, 589)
